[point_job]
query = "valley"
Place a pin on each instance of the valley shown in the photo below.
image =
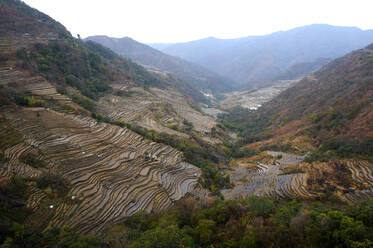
(253, 99)
(262, 141)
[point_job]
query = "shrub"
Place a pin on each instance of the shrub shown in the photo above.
(54, 181)
(32, 160)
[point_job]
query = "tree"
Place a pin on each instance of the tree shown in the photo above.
(169, 237)
(204, 231)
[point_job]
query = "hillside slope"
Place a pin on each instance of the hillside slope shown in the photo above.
(19, 19)
(313, 140)
(337, 98)
(256, 59)
(70, 163)
(332, 109)
(146, 55)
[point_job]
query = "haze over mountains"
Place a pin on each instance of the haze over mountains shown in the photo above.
(254, 60)
(150, 57)
(99, 151)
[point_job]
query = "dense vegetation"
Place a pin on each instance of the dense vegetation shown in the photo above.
(250, 126)
(88, 67)
(254, 222)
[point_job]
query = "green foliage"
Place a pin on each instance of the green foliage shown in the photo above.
(249, 125)
(362, 211)
(54, 183)
(55, 238)
(204, 231)
(255, 222)
(124, 124)
(29, 101)
(168, 237)
(33, 160)
(260, 206)
(243, 152)
(99, 117)
(333, 147)
(334, 229)
(88, 67)
(84, 102)
(315, 118)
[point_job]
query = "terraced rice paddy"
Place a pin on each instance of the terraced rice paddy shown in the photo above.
(147, 109)
(267, 180)
(24, 82)
(270, 179)
(112, 171)
(362, 172)
(253, 99)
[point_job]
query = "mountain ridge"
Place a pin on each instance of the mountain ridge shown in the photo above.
(253, 60)
(148, 56)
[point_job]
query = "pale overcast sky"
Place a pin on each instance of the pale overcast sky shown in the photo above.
(184, 20)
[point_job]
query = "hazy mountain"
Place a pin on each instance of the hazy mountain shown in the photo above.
(148, 56)
(256, 59)
(159, 46)
(197, 49)
(302, 69)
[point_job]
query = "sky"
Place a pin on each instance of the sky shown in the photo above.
(168, 21)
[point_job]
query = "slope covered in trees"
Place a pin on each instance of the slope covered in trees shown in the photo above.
(255, 222)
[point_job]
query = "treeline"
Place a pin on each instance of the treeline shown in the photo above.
(87, 67)
(254, 222)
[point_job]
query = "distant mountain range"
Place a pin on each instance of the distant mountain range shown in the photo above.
(255, 60)
(143, 54)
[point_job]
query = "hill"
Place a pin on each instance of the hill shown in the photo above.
(76, 119)
(313, 141)
(146, 55)
(332, 109)
(254, 60)
(17, 18)
(97, 151)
